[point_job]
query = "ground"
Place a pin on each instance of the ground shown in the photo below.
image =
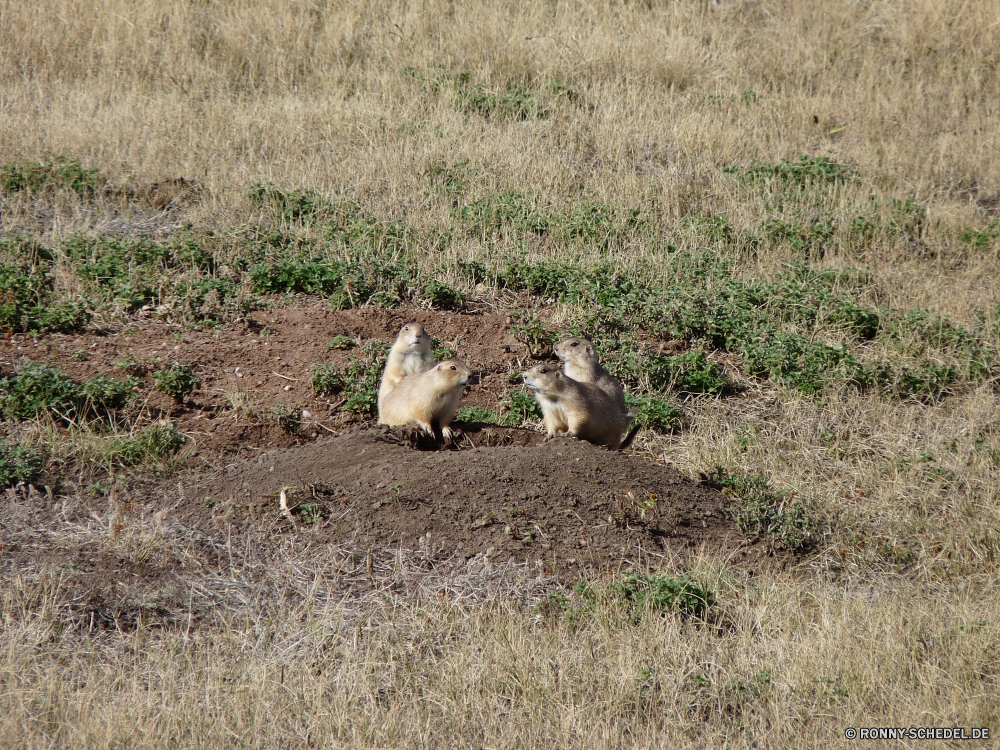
(778, 222)
(572, 509)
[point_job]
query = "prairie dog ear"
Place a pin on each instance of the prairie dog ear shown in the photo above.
(588, 347)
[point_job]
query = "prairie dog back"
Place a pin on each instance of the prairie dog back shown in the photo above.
(578, 409)
(429, 399)
(410, 353)
(582, 363)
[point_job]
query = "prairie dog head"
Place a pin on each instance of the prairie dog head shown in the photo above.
(413, 339)
(454, 372)
(544, 378)
(576, 349)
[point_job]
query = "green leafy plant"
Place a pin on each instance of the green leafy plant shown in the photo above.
(61, 174)
(177, 381)
(18, 465)
(656, 414)
(637, 592)
(801, 173)
(341, 342)
(27, 303)
(442, 296)
(760, 511)
(153, 444)
(35, 389)
(361, 376)
(478, 414)
(521, 406)
(290, 419)
(326, 380)
(515, 103)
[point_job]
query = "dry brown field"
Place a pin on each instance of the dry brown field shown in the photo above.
(778, 219)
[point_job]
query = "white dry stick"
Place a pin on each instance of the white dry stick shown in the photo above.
(283, 503)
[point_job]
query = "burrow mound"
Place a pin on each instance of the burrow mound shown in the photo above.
(570, 505)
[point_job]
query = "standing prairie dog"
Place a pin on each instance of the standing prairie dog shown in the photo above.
(411, 353)
(577, 409)
(429, 399)
(584, 365)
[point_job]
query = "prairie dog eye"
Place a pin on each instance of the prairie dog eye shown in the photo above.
(453, 367)
(575, 343)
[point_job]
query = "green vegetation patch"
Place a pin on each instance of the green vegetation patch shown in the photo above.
(982, 239)
(177, 381)
(151, 445)
(786, 330)
(523, 214)
(327, 380)
(28, 302)
(479, 414)
(513, 104)
(361, 377)
(637, 593)
(35, 390)
(760, 511)
(18, 465)
(656, 414)
(353, 260)
(60, 174)
(804, 172)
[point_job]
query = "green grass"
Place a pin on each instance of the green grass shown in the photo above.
(479, 414)
(805, 329)
(637, 593)
(513, 104)
(983, 239)
(61, 174)
(146, 447)
(802, 173)
(28, 302)
(656, 414)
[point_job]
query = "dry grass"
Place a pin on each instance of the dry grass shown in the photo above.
(272, 641)
(257, 643)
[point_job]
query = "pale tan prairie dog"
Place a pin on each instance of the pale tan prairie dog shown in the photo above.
(411, 353)
(428, 399)
(577, 409)
(583, 364)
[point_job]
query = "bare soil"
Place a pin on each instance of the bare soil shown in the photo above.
(564, 505)
(271, 358)
(568, 504)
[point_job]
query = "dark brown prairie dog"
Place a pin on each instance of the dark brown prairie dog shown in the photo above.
(428, 399)
(583, 364)
(578, 409)
(411, 353)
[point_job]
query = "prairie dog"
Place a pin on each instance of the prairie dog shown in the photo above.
(583, 364)
(578, 409)
(429, 399)
(411, 353)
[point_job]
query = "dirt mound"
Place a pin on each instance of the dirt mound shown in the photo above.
(270, 360)
(566, 503)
